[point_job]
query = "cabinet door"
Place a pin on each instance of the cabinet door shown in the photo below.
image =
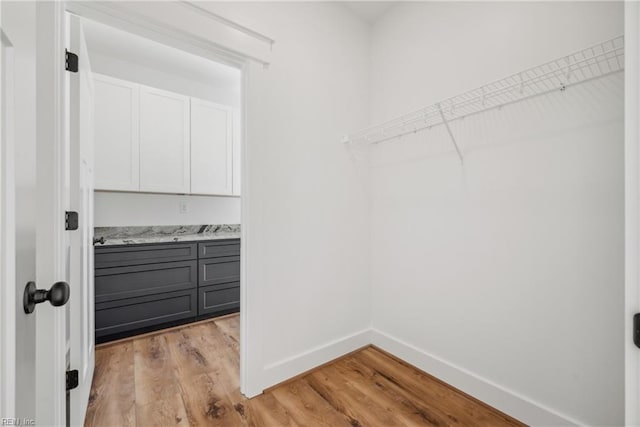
(164, 141)
(218, 300)
(116, 319)
(237, 135)
(116, 134)
(211, 148)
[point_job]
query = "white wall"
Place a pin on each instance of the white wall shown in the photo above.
(503, 276)
(136, 209)
(18, 21)
(308, 209)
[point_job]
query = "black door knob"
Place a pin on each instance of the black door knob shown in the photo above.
(58, 295)
(101, 240)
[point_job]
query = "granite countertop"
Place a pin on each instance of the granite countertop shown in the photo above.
(165, 234)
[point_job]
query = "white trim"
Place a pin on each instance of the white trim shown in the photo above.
(135, 23)
(7, 236)
(251, 344)
(501, 398)
(632, 211)
(236, 26)
(52, 201)
(278, 372)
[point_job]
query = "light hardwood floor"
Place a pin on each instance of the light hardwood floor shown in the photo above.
(189, 376)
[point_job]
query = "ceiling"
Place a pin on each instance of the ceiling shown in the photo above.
(369, 11)
(106, 40)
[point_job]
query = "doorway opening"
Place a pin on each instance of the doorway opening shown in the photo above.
(160, 188)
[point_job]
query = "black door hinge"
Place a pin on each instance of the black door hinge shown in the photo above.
(70, 61)
(70, 220)
(72, 379)
(636, 329)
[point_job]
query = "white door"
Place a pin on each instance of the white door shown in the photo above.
(211, 148)
(7, 235)
(52, 241)
(632, 210)
(164, 141)
(117, 149)
(82, 343)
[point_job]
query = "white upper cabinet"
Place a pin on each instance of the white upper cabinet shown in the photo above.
(116, 134)
(152, 140)
(164, 141)
(211, 148)
(236, 151)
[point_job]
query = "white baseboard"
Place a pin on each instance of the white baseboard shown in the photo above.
(505, 400)
(283, 370)
(497, 396)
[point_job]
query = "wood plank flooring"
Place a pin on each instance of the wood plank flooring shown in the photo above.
(189, 376)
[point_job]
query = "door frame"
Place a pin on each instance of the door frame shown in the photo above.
(632, 210)
(81, 276)
(7, 234)
(52, 171)
(251, 383)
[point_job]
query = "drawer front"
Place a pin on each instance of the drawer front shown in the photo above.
(119, 283)
(219, 248)
(217, 271)
(216, 299)
(135, 313)
(144, 254)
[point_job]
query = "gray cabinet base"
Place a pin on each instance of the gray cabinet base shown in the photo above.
(134, 314)
(142, 288)
(218, 313)
(140, 331)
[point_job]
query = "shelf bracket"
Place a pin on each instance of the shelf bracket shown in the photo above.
(453, 139)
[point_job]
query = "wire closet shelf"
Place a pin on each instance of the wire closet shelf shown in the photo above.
(588, 64)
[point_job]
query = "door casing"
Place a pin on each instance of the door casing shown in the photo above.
(81, 303)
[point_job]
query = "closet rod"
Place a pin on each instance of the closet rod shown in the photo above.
(593, 62)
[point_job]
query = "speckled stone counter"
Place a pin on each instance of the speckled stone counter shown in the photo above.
(163, 234)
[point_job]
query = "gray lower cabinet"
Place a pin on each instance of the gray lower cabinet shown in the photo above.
(145, 287)
(217, 299)
(219, 248)
(118, 283)
(218, 277)
(118, 256)
(141, 313)
(218, 271)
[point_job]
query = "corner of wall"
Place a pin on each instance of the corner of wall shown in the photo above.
(283, 370)
(495, 395)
